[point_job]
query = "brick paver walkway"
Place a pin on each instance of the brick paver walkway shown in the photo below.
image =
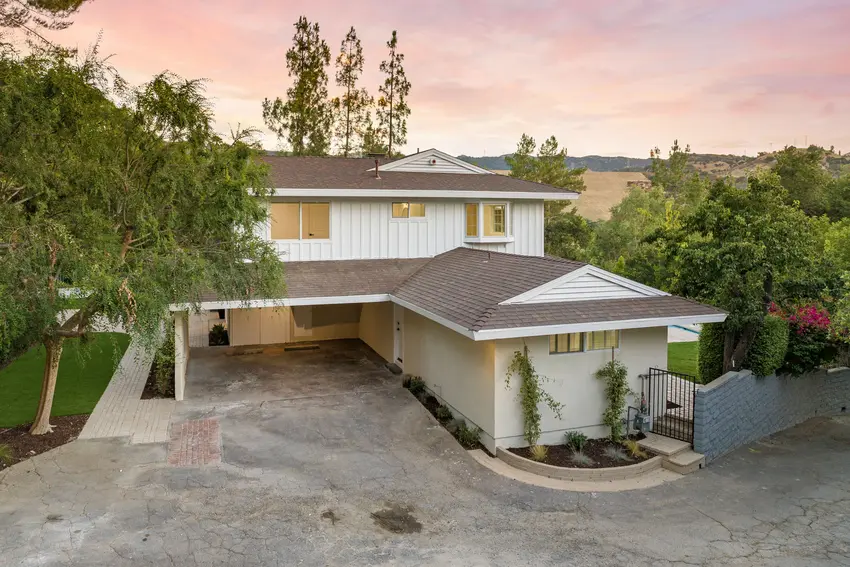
(121, 413)
(195, 442)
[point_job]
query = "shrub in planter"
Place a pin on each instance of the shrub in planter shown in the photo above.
(443, 414)
(539, 453)
(416, 386)
(164, 365)
(575, 440)
(218, 336)
(711, 352)
(809, 342)
(769, 347)
(467, 436)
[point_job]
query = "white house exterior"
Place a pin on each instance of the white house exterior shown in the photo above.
(439, 267)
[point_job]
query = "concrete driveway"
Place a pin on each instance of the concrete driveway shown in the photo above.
(367, 478)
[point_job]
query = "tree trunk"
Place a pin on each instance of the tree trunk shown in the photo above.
(735, 348)
(41, 424)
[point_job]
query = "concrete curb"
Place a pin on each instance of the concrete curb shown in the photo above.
(564, 473)
(652, 478)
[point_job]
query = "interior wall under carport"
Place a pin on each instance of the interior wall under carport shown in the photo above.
(370, 322)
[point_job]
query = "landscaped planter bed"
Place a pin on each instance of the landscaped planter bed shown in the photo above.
(561, 455)
(580, 474)
(23, 446)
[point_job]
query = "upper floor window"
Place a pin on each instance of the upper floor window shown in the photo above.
(291, 221)
(487, 220)
(408, 210)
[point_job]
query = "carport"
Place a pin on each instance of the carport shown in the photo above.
(336, 308)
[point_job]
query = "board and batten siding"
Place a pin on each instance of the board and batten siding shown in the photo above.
(365, 229)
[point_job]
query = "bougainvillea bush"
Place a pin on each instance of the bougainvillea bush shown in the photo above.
(810, 340)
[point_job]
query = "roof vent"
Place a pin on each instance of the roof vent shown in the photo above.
(433, 162)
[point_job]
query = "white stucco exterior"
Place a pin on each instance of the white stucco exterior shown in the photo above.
(458, 370)
(365, 229)
(571, 381)
(376, 328)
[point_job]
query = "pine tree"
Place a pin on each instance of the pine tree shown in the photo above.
(392, 105)
(353, 105)
(305, 119)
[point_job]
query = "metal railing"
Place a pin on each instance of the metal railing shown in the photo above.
(671, 403)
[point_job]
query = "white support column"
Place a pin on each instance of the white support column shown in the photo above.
(181, 352)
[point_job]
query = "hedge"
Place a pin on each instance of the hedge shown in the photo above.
(769, 347)
(711, 352)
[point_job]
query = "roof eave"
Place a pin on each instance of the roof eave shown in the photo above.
(540, 330)
(427, 193)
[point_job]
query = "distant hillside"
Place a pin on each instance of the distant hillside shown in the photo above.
(593, 163)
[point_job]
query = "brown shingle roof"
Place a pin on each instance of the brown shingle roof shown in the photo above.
(466, 285)
(306, 172)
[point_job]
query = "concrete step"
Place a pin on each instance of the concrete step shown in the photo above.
(665, 446)
(685, 462)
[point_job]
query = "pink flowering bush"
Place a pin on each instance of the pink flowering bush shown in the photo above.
(809, 341)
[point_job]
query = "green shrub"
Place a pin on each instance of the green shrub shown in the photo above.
(616, 377)
(416, 386)
(467, 436)
(575, 440)
(711, 352)
(443, 414)
(769, 346)
(580, 458)
(163, 365)
(218, 336)
(634, 449)
(538, 453)
(6, 454)
(807, 350)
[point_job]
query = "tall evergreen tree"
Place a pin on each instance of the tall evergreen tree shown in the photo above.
(34, 16)
(392, 106)
(305, 119)
(353, 105)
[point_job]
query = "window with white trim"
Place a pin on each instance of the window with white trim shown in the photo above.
(408, 210)
(299, 221)
(487, 221)
(583, 342)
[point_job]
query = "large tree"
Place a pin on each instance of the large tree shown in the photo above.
(392, 106)
(674, 176)
(352, 107)
(305, 118)
(35, 16)
(805, 177)
(548, 166)
(736, 250)
(140, 205)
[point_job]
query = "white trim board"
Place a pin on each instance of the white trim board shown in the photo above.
(566, 288)
(405, 164)
(412, 194)
(542, 330)
(433, 317)
(284, 302)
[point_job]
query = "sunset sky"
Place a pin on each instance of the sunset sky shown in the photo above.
(609, 77)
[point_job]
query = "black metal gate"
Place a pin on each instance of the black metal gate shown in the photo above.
(671, 403)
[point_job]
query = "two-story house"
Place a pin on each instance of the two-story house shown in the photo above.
(439, 267)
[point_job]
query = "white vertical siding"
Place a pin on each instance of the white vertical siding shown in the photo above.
(361, 229)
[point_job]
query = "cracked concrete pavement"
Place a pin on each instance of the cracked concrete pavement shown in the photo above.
(302, 482)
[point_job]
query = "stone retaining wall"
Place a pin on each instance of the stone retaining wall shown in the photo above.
(563, 473)
(739, 408)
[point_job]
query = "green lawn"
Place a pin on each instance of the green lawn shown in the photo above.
(81, 380)
(682, 357)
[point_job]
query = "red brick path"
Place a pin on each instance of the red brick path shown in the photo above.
(195, 442)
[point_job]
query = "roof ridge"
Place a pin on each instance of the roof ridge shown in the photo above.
(548, 258)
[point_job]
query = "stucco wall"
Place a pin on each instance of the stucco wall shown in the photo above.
(376, 328)
(571, 381)
(456, 369)
(739, 408)
(181, 353)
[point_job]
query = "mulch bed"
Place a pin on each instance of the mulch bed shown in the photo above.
(431, 404)
(66, 428)
(561, 455)
(151, 392)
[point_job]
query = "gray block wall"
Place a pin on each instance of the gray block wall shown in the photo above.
(739, 408)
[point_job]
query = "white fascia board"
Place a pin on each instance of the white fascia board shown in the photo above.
(423, 193)
(519, 332)
(433, 316)
(284, 302)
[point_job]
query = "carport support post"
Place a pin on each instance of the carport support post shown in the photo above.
(181, 352)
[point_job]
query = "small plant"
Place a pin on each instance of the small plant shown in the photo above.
(218, 336)
(467, 436)
(416, 386)
(580, 458)
(6, 455)
(539, 453)
(575, 440)
(634, 449)
(616, 454)
(443, 414)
